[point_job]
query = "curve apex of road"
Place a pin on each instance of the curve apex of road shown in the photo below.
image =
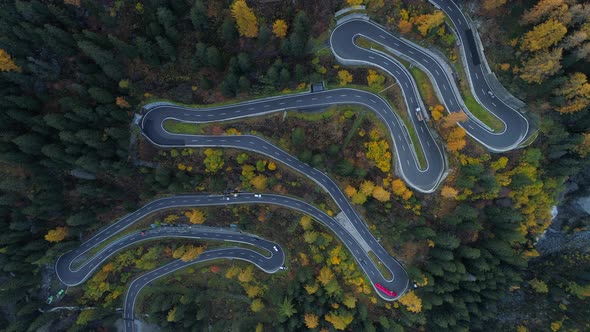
(347, 52)
(71, 276)
(424, 179)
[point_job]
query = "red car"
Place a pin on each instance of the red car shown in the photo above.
(385, 290)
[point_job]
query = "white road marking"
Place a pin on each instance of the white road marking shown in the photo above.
(444, 87)
(428, 143)
(382, 36)
(493, 104)
(476, 76)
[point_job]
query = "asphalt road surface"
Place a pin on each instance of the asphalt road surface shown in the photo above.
(270, 264)
(424, 179)
(343, 44)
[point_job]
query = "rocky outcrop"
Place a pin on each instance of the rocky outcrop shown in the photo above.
(567, 228)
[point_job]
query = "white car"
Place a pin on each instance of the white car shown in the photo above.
(257, 195)
(275, 248)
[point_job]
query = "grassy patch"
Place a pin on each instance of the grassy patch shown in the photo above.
(178, 127)
(424, 87)
(355, 126)
(474, 107)
(384, 271)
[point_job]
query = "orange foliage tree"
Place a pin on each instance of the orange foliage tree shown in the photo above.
(456, 139)
(350, 191)
(449, 192)
(405, 26)
(121, 102)
(453, 118)
(399, 188)
(380, 194)
(437, 112)
(427, 22)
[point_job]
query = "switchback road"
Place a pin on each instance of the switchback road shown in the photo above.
(424, 179)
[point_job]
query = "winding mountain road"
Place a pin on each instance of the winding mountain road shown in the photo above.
(346, 50)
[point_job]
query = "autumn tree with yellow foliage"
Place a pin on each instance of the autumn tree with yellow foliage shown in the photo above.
(576, 91)
(449, 192)
(543, 36)
(411, 301)
(541, 65)
(350, 191)
(456, 139)
(344, 77)
(425, 23)
(57, 234)
(6, 62)
(378, 152)
(340, 320)
(354, 2)
(326, 275)
(279, 28)
(374, 80)
(245, 19)
(380, 194)
(490, 5)
(213, 160)
(583, 149)
(437, 112)
(400, 189)
(311, 320)
(195, 216)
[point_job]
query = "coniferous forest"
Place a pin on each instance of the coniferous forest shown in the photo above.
(74, 73)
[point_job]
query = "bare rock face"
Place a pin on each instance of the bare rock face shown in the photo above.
(583, 203)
